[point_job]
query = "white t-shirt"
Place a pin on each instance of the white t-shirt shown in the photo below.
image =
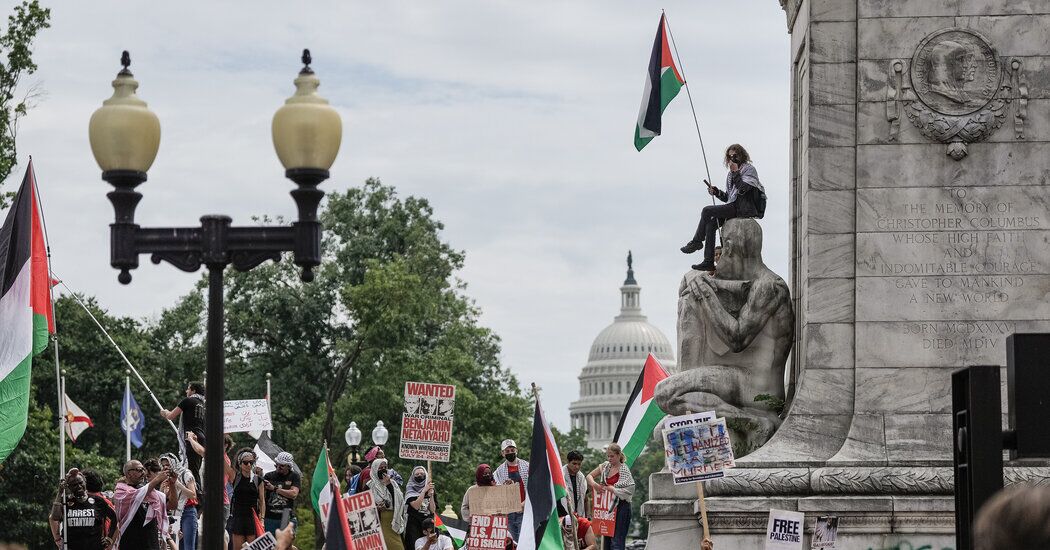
(443, 543)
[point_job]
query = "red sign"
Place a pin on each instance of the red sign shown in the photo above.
(487, 532)
(604, 521)
(426, 424)
(363, 517)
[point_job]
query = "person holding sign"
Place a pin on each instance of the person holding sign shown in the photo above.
(482, 478)
(390, 502)
(421, 504)
(511, 471)
(615, 478)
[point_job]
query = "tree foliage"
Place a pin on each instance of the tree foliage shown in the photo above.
(385, 308)
(17, 60)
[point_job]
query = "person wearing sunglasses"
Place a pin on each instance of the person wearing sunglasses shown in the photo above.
(141, 509)
(249, 500)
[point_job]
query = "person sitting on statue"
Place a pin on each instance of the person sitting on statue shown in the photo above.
(744, 197)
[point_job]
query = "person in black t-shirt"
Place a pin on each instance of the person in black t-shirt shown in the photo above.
(91, 522)
(282, 488)
(190, 412)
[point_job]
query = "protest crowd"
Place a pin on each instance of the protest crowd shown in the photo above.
(157, 503)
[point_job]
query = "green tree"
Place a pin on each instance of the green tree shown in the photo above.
(17, 60)
(385, 308)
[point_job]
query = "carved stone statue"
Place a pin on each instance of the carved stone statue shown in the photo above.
(735, 330)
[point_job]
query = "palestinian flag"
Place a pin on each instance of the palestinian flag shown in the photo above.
(662, 83)
(641, 415)
(320, 489)
(455, 529)
(337, 532)
(540, 529)
(26, 318)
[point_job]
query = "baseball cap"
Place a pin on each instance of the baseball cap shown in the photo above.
(507, 443)
(283, 458)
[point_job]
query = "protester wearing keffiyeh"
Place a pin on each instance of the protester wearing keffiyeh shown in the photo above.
(420, 504)
(390, 502)
(616, 478)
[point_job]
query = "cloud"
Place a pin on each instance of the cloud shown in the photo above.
(515, 120)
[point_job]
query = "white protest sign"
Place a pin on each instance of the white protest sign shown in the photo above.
(426, 423)
(265, 542)
(825, 532)
(680, 421)
(246, 415)
(784, 531)
(697, 450)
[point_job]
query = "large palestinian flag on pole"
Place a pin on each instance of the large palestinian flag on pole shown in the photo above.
(641, 415)
(663, 80)
(25, 309)
(539, 524)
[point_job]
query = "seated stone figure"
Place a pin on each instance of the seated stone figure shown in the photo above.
(735, 330)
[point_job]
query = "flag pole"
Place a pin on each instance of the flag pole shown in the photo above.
(696, 121)
(269, 433)
(127, 411)
(119, 351)
(59, 383)
(62, 437)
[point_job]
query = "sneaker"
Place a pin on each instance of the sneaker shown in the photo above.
(706, 265)
(691, 246)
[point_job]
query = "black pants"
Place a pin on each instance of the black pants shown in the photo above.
(710, 217)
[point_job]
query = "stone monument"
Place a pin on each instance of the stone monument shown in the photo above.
(735, 330)
(920, 227)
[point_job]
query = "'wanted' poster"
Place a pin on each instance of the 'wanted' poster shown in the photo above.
(426, 424)
(363, 518)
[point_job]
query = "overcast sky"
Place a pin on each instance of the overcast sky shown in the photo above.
(515, 119)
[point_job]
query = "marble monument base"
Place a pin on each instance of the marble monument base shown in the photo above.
(865, 522)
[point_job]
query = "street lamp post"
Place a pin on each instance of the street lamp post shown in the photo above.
(353, 439)
(380, 434)
(125, 137)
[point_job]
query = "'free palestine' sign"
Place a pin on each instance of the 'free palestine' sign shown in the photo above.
(784, 530)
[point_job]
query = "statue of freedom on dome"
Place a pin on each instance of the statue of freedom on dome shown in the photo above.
(735, 332)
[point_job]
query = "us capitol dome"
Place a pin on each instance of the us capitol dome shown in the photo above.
(616, 358)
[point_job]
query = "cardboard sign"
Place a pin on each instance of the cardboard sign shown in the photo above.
(603, 524)
(697, 451)
(825, 532)
(487, 532)
(500, 499)
(265, 542)
(246, 415)
(363, 517)
(784, 531)
(426, 423)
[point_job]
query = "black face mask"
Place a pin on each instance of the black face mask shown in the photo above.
(487, 479)
(511, 457)
(420, 479)
(382, 472)
(735, 159)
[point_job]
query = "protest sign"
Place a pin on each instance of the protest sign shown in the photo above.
(487, 532)
(265, 542)
(784, 531)
(697, 451)
(825, 532)
(363, 517)
(683, 420)
(426, 423)
(499, 499)
(246, 415)
(603, 524)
